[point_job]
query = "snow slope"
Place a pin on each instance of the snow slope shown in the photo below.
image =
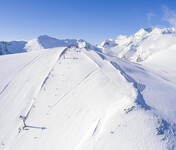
(21, 86)
(80, 99)
(156, 95)
(141, 45)
(163, 61)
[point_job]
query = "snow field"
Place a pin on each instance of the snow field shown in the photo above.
(74, 99)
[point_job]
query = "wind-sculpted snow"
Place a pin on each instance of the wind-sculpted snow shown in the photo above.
(139, 87)
(157, 92)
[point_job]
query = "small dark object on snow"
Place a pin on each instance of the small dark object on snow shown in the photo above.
(129, 109)
(112, 132)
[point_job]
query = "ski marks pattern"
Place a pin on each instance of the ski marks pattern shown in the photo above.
(30, 62)
(71, 90)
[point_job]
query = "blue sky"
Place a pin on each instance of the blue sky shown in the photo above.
(92, 20)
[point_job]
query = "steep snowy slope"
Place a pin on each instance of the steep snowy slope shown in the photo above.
(22, 77)
(73, 99)
(156, 95)
(140, 46)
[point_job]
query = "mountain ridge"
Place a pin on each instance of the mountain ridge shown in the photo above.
(86, 99)
(136, 48)
(141, 45)
(40, 43)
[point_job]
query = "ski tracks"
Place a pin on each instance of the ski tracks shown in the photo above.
(83, 80)
(29, 63)
(43, 83)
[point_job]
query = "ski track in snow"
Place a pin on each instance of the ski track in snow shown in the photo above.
(97, 124)
(72, 89)
(30, 62)
(44, 82)
(163, 125)
(96, 127)
(35, 93)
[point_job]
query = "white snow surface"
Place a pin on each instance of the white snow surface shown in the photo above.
(41, 43)
(142, 45)
(136, 48)
(79, 99)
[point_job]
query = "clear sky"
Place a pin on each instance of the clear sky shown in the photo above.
(92, 20)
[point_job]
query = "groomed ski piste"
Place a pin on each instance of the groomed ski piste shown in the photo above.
(79, 99)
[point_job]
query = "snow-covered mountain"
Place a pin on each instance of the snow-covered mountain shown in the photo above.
(40, 43)
(73, 98)
(141, 45)
(45, 42)
(136, 48)
(80, 98)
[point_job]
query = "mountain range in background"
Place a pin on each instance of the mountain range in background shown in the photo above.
(136, 48)
(72, 95)
(40, 43)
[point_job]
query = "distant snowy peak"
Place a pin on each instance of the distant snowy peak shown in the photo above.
(154, 32)
(45, 42)
(50, 42)
(169, 31)
(136, 48)
(33, 45)
(40, 43)
(144, 31)
(141, 45)
(108, 43)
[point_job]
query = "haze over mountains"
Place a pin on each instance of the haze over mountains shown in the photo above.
(72, 95)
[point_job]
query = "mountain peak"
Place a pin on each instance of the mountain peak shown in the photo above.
(144, 31)
(44, 35)
(169, 31)
(149, 29)
(41, 37)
